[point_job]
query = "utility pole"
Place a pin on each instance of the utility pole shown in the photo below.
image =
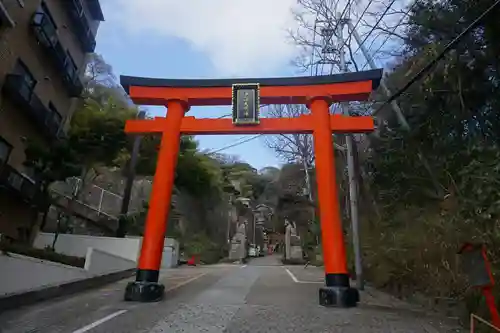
(394, 105)
(309, 194)
(353, 182)
(127, 193)
(353, 187)
(229, 219)
(308, 179)
(371, 63)
(254, 244)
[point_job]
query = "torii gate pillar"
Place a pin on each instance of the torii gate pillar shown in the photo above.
(146, 287)
(337, 290)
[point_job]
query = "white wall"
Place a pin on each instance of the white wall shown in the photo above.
(77, 245)
(98, 262)
(170, 256)
(127, 248)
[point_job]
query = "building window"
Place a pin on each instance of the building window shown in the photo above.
(70, 65)
(5, 150)
(54, 119)
(28, 79)
(78, 7)
(45, 25)
(44, 9)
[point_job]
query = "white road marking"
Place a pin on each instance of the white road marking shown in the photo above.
(118, 313)
(243, 266)
(100, 321)
(297, 280)
(291, 275)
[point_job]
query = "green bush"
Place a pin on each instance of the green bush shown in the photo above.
(205, 250)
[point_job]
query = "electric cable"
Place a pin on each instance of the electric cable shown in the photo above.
(347, 6)
(234, 144)
(326, 42)
(375, 26)
(425, 70)
(356, 25)
(237, 143)
(410, 8)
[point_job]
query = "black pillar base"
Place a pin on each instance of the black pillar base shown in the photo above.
(340, 297)
(145, 288)
(141, 291)
(337, 292)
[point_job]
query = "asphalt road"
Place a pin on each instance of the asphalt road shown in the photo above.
(259, 297)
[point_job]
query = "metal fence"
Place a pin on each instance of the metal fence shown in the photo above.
(100, 199)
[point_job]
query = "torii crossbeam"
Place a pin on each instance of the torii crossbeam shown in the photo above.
(245, 95)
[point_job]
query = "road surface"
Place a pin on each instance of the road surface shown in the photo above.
(259, 297)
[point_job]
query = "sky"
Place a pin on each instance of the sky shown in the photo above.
(201, 39)
(207, 39)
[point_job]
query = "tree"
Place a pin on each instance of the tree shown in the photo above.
(196, 172)
(453, 121)
(95, 139)
(96, 133)
(100, 84)
(291, 147)
(49, 164)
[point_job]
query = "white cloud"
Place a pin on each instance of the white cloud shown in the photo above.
(240, 37)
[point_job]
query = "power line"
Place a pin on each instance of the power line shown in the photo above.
(235, 144)
(410, 8)
(356, 25)
(313, 48)
(347, 6)
(328, 40)
(428, 67)
(375, 26)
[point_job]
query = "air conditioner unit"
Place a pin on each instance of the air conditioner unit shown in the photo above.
(5, 17)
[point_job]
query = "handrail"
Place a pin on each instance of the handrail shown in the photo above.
(84, 204)
(481, 320)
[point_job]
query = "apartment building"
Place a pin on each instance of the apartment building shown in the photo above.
(44, 46)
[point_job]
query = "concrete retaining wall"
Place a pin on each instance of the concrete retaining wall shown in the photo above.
(127, 248)
(77, 245)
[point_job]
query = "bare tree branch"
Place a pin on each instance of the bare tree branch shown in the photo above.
(291, 147)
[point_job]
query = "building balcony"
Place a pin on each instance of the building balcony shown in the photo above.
(46, 35)
(81, 23)
(16, 183)
(22, 95)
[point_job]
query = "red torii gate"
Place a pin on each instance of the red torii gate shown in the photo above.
(245, 94)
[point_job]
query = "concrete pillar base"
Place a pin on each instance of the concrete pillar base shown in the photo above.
(143, 291)
(340, 297)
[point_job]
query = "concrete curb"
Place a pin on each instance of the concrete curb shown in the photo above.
(31, 297)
